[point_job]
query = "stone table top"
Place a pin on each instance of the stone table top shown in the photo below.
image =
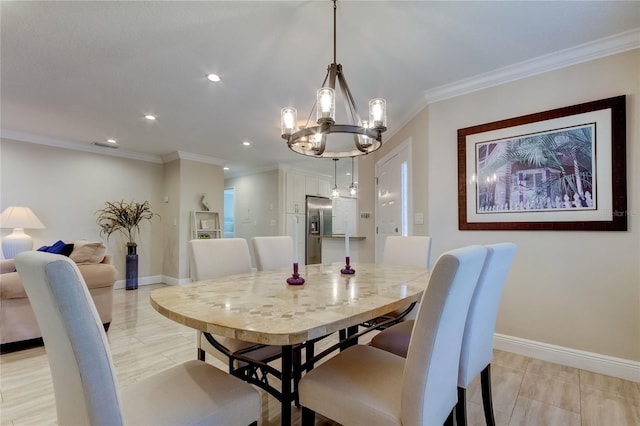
(261, 307)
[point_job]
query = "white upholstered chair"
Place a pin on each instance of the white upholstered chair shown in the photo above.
(477, 343)
(220, 257)
(272, 252)
(412, 251)
(366, 385)
(84, 379)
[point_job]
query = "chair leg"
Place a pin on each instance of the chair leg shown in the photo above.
(449, 421)
(485, 382)
(461, 407)
(308, 417)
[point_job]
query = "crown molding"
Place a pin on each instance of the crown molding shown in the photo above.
(607, 46)
(184, 155)
(42, 140)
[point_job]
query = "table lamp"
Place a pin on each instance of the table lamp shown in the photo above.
(18, 218)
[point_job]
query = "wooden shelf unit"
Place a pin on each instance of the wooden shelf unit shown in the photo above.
(205, 225)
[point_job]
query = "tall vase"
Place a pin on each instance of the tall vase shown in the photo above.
(132, 268)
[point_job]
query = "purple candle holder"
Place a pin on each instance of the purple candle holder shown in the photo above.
(347, 268)
(295, 279)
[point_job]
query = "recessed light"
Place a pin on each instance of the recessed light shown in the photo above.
(348, 174)
(150, 117)
(111, 141)
(246, 143)
(107, 144)
(213, 77)
(225, 168)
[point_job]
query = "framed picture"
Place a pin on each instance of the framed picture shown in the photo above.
(204, 224)
(563, 169)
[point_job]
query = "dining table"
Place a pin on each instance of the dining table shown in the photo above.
(261, 307)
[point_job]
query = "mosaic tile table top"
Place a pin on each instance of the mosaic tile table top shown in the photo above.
(261, 307)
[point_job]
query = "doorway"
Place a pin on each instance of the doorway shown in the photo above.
(229, 226)
(393, 195)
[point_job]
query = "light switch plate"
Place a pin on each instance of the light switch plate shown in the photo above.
(418, 219)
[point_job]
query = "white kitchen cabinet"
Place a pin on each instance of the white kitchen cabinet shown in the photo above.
(324, 188)
(297, 221)
(317, 186)
(295, 185)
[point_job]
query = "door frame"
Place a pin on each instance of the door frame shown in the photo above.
(403, 147)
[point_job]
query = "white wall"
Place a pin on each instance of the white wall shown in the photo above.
(579, 290)
(196, 179)
(257, 210)
(66, 187)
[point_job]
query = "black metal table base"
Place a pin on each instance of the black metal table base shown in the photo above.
(258, 372)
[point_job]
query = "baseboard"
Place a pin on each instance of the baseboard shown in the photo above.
(597, 363)
(154, 280)
(141, 281)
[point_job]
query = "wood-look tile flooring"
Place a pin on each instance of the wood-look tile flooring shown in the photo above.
(526, 391)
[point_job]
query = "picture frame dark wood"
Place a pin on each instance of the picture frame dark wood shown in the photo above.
(557, 170)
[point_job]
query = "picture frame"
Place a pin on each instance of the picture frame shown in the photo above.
(204, 224)
(562, 169)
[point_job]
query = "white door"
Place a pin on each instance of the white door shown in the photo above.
(392, 195)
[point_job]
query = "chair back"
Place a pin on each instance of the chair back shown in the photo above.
(219, 257)
(477, 343)
(412, 251)
(429, 389)
(83, 375)
(272, 252)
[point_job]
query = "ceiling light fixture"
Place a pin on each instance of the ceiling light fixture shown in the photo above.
(335, 193)
(110, 143)
(213, 77)
(353, 189)
(150, 117)
(312, 140)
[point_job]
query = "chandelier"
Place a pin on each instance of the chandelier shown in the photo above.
(312, 140)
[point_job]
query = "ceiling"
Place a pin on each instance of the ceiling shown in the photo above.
(77, 72)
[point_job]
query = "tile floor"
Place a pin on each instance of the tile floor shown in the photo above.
(526, 391)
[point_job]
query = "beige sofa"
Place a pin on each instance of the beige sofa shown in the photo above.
(18, 325)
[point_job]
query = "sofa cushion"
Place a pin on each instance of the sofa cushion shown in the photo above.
(88, 252)
(59, 247)
(96, 275)
(7, 265)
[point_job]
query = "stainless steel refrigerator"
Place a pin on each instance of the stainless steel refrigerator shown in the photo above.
(318, 211)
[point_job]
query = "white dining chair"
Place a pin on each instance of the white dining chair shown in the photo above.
(272, 252)
(216, 258)
(477, 342)
(366, 385)
(84, 378)
(412, 251)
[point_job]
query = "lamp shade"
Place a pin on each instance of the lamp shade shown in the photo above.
(18, 218)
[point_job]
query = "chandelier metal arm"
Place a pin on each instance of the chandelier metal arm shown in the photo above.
(367, 135)
(349, 102)
(327, 128)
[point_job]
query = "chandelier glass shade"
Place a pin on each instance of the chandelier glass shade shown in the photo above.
(313, 140)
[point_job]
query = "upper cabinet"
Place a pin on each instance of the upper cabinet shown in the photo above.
(298, 186)
(317, 186)
(295, 193)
